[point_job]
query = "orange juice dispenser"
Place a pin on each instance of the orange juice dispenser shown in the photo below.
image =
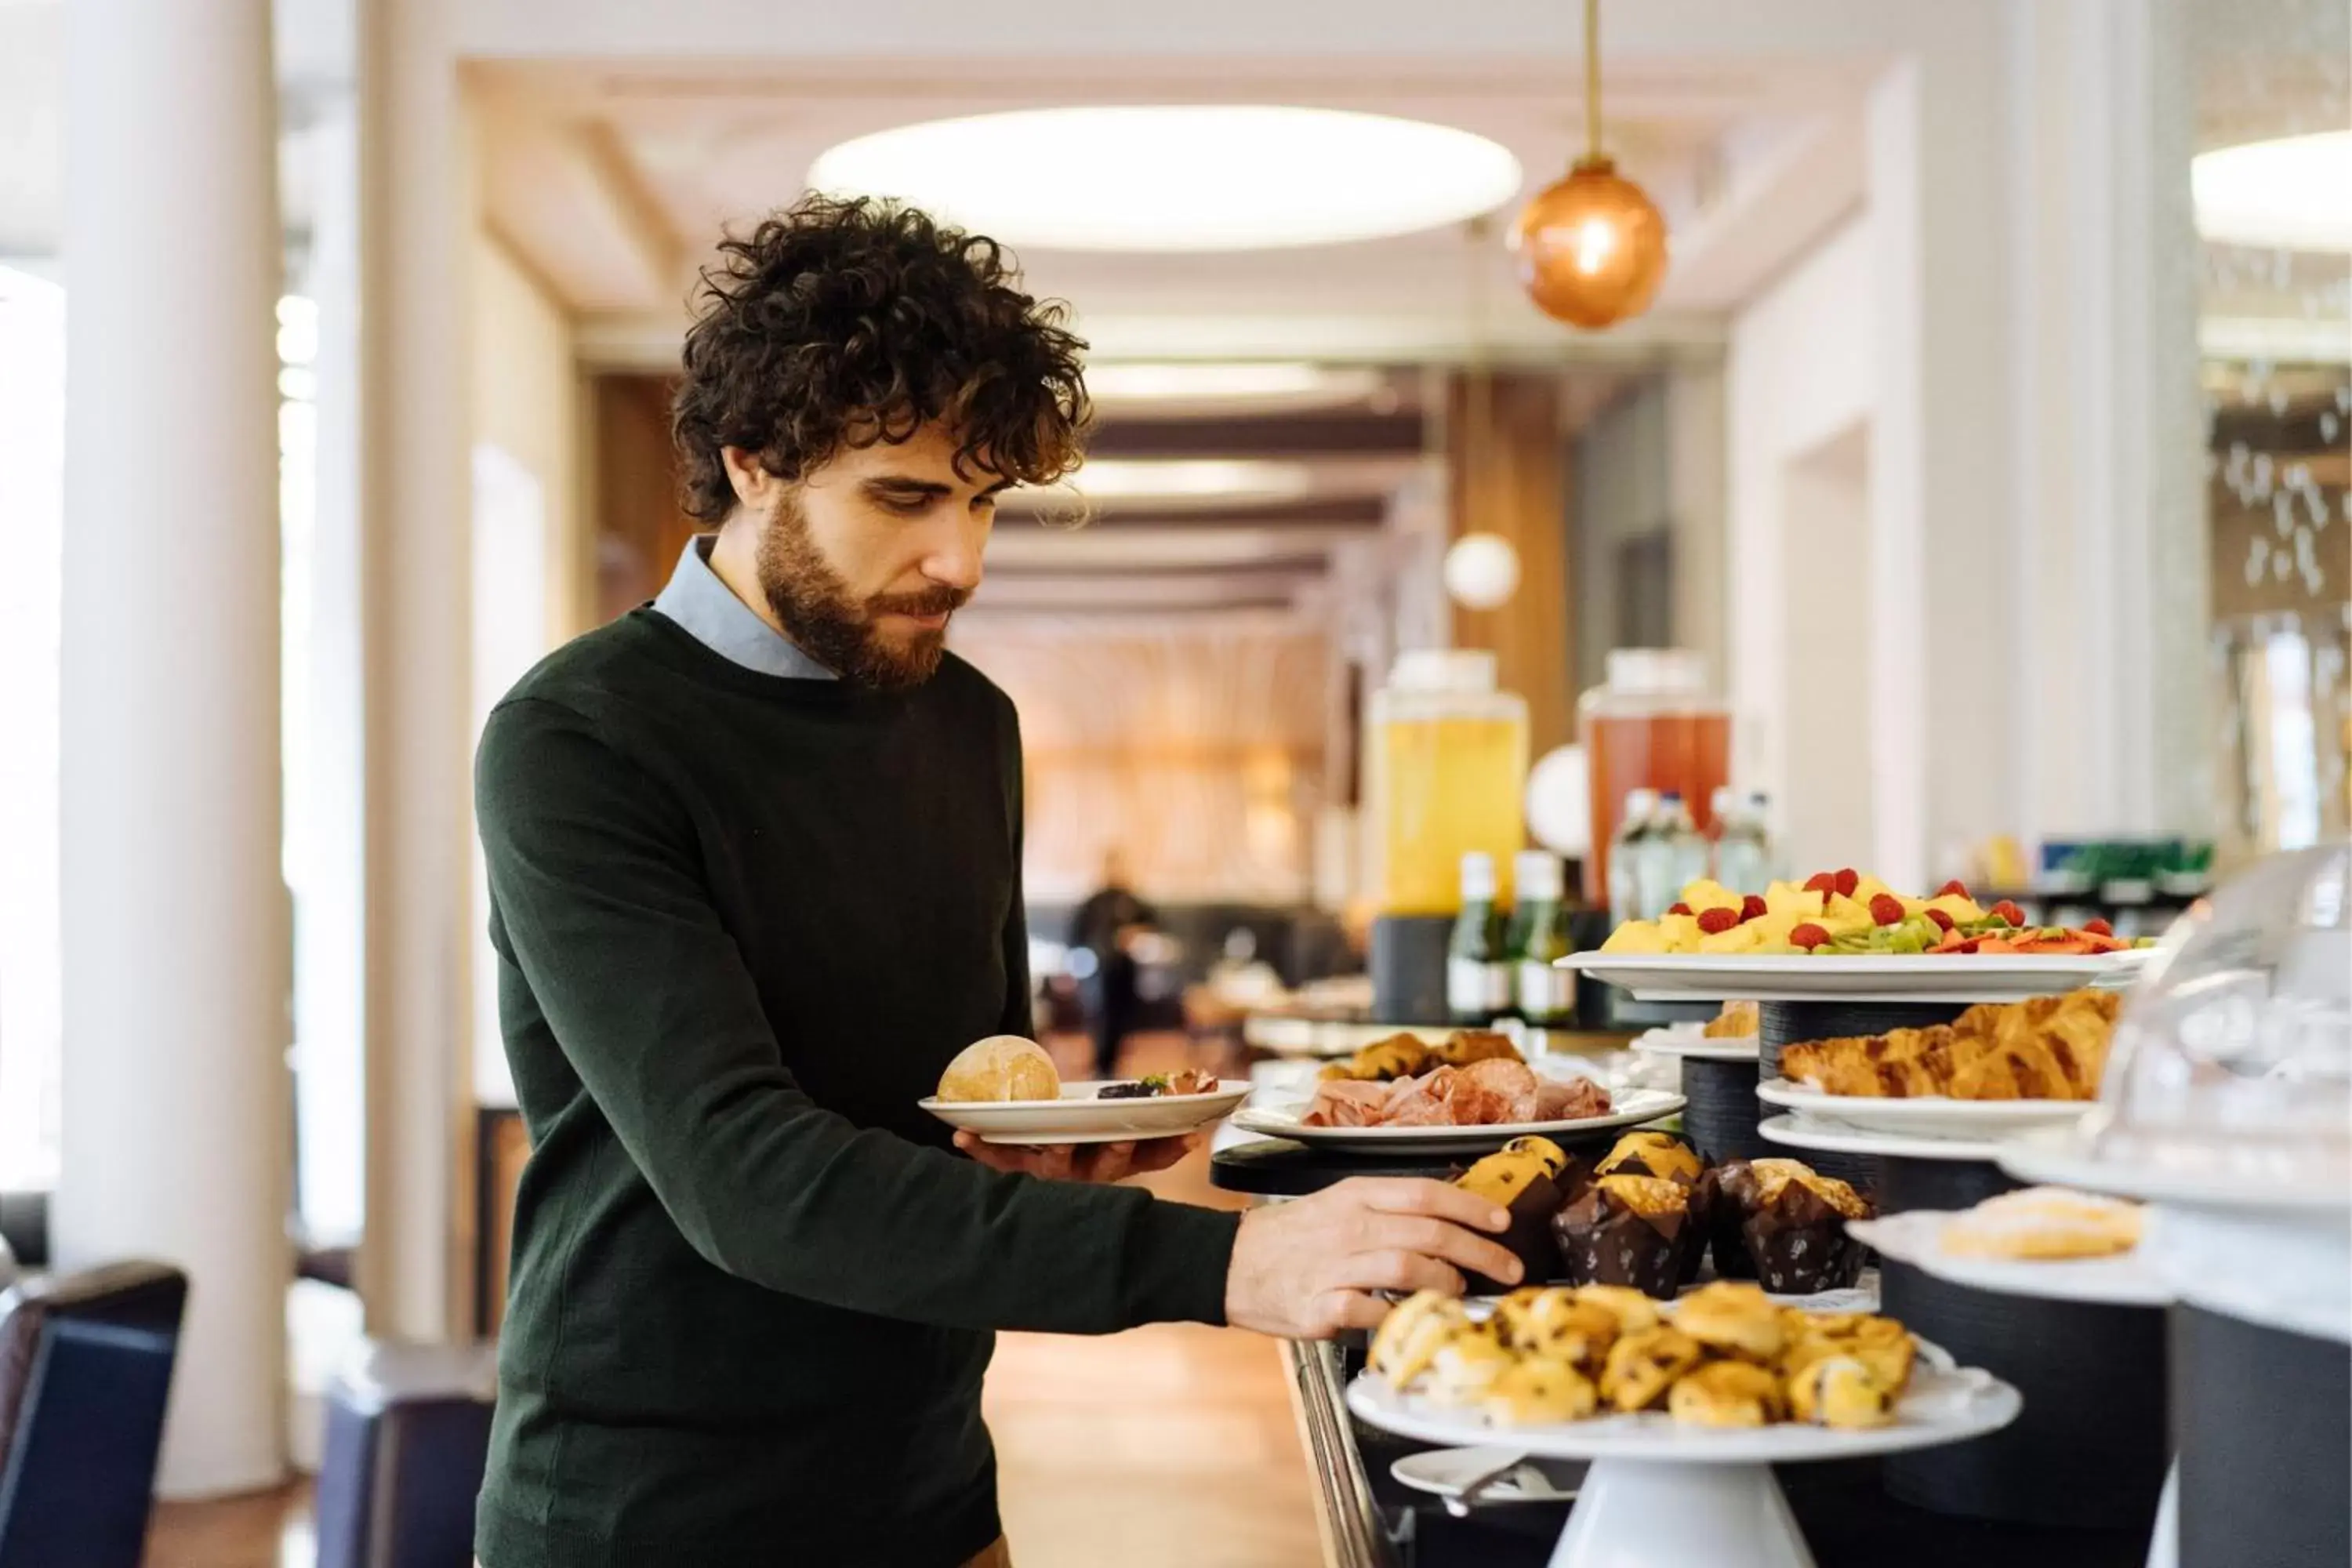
(1653, 726)
(1447, 757)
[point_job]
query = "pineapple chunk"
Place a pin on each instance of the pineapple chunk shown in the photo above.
(1866, 887)
(1681, 933)
(1788, 898)
(1705, 894)
(1738, 938)
(1960, 909)
(1773, 927)
(1636, 936)
(1846, 916)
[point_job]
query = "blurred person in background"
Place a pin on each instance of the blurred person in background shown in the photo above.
(1107, 927)
(755, 856)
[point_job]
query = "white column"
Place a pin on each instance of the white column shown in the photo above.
(416, 209)
(176, 1121)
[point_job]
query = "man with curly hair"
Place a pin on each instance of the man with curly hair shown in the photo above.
(754, 855)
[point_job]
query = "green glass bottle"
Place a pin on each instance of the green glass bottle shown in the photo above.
(1545, 997)
(1477, 973)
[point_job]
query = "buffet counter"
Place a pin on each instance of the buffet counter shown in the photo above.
(1369, 1519)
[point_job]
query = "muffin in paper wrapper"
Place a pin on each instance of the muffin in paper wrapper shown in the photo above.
(1780, 1223)
(1643, 1232)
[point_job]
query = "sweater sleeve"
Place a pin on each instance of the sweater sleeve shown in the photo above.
(1020, 1004)
(595, 882)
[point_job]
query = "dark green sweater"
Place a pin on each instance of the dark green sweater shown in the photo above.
(743, 922)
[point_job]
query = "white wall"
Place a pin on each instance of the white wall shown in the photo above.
(525, 518)
(1827, 561)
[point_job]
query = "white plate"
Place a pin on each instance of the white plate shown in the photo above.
(1916, 1237)
(1685, 1041)
(1926, 1115)
(1080, 1118)
(1445, 1471)
(1942, 1405)
(1633, 1105)
(2057, 1156)
(1798, 1133)
(1954, 977)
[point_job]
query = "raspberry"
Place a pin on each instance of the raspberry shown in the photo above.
(2098, 927)
(1968, 946)
(1750, 908)
(1824, 884)
(2010, 912)
(1715, 921)
(1808, 936)
(1678, 909)
(1847, 881)
(1887, 910)
(1952, 890)
(1943, 921)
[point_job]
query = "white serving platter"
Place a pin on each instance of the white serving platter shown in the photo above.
(1280, 1119)
(1915, 1237)
(1080, 1118)
(1856, 977)
(1923, 1116)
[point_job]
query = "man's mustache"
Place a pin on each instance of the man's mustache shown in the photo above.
(939, 601)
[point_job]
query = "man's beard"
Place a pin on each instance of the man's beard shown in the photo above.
(817, 611)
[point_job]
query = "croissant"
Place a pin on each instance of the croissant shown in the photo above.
(2050, 1047)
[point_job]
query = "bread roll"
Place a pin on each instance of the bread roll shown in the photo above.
(1001, 1067)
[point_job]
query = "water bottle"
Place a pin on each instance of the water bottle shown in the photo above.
(1743, 856)
(1625, 851)
(1679, 855)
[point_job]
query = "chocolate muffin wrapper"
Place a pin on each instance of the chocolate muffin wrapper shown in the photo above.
(1529, 1238)
(1795, 1246)
(1601, 1244)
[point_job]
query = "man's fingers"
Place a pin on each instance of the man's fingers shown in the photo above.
(1395, 1268)
(1335, 1311)
(1467, 1250)
(1435, 1200)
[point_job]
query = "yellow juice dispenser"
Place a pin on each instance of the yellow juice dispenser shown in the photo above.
(1447, 756)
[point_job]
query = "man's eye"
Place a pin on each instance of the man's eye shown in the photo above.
(905, 506)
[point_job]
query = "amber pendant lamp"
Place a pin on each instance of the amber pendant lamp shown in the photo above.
(1592, 248)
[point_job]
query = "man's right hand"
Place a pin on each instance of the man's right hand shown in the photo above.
(1308, 1268)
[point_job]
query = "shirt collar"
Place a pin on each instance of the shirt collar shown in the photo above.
(708, 610)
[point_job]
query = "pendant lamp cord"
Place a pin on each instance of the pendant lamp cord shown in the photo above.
(1592, 78)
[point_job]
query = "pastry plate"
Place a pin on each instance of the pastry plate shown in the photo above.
(1862, 1297)
(1943, 1404)
(1926, 1115)
(1281, 1120)
(1915, 1237)
(1685, 1041)
(1850, 977)
(2058, 1156)
(1080, 1118)
(1445, 1471)
(1830, 1138)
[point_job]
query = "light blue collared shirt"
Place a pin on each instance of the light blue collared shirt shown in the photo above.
(708, 611)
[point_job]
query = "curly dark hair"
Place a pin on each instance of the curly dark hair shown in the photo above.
(843, 323)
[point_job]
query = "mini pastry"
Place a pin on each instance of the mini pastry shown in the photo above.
(1783, 1222)
(1635, 1313)
(1521, 1177)
(1642, 1367)
(2045, 1223)
(1882, 1344)
(1734, 1319)
(1465, 1366)
(1467, 1046)
(1651, 1154)
(1840, 1391)
(1553, 1322)
(1409, 1337)
(1001, 1067)
(1631, 1230)
(1540, 1391)
(1726, 1394)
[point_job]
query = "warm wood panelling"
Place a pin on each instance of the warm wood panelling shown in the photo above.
(639, 528)
(1509, 463)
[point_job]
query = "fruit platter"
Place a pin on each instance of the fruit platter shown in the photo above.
(1846, 935)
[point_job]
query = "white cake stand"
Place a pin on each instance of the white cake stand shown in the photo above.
(1661, 1494)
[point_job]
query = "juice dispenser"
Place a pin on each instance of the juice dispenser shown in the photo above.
(1653, 726)
(1447, 758)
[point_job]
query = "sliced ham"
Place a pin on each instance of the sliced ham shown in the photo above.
(1572, 1101)
(1345, 1102)
(1493, 1092)
(1485, 1094)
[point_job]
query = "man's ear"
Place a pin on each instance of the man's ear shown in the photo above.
(754, 486)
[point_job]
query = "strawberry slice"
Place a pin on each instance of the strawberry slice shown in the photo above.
(1824, 884)
(1808, 936)
(1678, 909)
(2099, 928)
(1848, 880)
(1954, 889)
(1940, 918)
(1886, 908)
(1750, 908)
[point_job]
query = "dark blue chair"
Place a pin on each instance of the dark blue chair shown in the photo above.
(408, 1437)
(85, 1371)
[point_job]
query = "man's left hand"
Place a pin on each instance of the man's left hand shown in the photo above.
(1081, 1161)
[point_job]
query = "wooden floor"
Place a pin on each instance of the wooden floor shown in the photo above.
(1170, 1447)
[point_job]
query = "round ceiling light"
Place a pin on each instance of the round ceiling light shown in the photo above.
(2293, 193)
(1188, 177)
